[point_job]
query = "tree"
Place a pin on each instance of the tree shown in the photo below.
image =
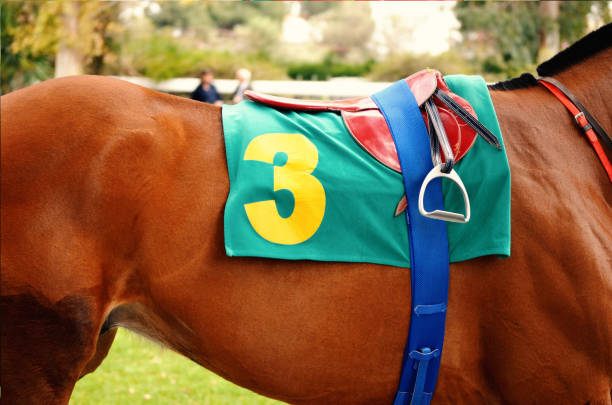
(511, 37)
(22, 68)
(75, 36)
(573, 18)
(550, 42)
(261, 35)
(312, 8)
(227, 15)
(565, 22)
(192, 17)
(347, 27)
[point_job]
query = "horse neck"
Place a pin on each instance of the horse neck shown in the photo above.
(591, 82)
(540, 136)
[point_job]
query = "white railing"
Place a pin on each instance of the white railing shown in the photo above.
(333, 89)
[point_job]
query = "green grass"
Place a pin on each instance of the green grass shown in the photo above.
(137, 371)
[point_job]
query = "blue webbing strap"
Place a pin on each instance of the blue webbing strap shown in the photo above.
(429, 259)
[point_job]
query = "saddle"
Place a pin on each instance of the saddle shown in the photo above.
(367, 125)
(450, 119)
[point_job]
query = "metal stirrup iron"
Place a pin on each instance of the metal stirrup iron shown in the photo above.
(438, 138)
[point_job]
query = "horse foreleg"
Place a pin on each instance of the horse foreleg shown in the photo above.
(46, 347)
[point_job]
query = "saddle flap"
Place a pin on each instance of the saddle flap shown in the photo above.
(370, 131)
(367, 125)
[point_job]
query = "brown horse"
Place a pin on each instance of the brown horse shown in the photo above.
(112, 215)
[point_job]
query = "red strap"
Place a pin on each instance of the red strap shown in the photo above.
(583, 123)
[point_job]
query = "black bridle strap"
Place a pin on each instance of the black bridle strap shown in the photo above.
(603, 135)
(580, 116)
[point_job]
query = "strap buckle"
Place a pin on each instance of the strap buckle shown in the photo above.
(577, 118)
(587, 125)
(434, 173)
(422, 358)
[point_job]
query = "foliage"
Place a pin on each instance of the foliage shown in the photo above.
(273, 10)
(347, 17)
(42, 28)
(398, 66)
(150, 55)
(329, 67)
(311, 8)
(260, 34)
(19, 68)
(508, 37)
(223, 36)
(223, 14)
(502, 36)
(33, 33)
(179, 38)
(186, 16)
(573, 18)
(138, 372)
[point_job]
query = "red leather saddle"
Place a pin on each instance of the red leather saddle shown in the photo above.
(367, 125)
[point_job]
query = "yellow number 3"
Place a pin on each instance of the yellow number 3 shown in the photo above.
(294, 176)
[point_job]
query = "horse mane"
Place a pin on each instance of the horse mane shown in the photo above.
(523, 81)
(585, 47)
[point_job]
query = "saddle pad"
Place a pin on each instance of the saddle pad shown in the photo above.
(301, 188)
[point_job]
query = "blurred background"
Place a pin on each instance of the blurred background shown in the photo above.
(305, 49)
(284, 43)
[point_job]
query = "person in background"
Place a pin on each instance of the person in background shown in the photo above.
(206, 91)
(244, 83)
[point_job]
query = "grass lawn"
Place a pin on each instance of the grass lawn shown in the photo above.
(137, 371)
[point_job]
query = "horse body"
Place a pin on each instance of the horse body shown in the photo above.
(112, 215)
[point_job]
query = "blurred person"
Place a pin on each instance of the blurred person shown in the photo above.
(244, 83)
(206, 91)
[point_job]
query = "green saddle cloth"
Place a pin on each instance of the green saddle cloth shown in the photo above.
(301, 188)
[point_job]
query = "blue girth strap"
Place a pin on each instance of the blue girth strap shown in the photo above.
(429, 259)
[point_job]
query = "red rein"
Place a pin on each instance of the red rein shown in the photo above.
(583, 123)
